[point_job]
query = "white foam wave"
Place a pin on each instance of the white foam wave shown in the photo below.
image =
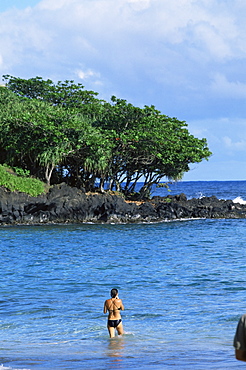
(200, 195)
(239, 200)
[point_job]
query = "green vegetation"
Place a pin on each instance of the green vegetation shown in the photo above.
(63, 133)
(10, 180)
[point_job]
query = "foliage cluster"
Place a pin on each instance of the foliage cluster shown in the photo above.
(61, 132)
(11, 181)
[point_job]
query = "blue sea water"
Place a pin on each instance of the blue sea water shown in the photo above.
(198, 189)
(182, 284)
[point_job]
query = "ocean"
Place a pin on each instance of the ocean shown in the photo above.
(182, 284)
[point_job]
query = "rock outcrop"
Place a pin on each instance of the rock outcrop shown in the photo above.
(64, 204)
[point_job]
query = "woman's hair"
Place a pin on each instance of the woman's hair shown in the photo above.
(114, 293)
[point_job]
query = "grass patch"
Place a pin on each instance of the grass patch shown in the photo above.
(10, 180)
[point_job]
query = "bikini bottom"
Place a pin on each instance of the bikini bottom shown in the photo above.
(114, 323)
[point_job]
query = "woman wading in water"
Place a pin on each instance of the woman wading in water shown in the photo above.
(114, 305)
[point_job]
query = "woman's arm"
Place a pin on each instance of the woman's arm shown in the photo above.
(121, 305)
(105, 307)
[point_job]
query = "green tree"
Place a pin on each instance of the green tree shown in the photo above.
(67, 93)
(148, 145)
(39, 136)
(62, 132)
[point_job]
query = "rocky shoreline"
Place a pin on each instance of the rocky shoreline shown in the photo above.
(63, 204)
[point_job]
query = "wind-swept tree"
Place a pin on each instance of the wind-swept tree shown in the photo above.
(61, 132)
(148, 146)
(38, 136)
(67, 93)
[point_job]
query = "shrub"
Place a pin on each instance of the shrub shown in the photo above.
(10, 180)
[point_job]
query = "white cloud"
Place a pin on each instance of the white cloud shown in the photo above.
(111, 22)
(139, 4)
(92, 76)
(226, 137)
(53, 4)
(215, 42)
(133, 45)
(233, 89)
(235, 145)
(84, 75)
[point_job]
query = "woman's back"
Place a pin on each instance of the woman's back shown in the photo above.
(114, 305)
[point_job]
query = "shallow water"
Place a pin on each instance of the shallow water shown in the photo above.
(182, 283)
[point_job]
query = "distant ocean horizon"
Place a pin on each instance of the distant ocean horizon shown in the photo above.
(204, 188)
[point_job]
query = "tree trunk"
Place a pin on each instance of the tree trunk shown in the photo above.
(48, 172)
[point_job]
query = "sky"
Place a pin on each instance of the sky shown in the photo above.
(185, 57)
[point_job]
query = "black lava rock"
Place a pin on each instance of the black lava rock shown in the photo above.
(63, 204)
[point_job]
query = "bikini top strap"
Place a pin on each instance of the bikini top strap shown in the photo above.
(118, 308)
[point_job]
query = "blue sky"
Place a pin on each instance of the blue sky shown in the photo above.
(186, 57)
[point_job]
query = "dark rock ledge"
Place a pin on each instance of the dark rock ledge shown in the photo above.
(64, 204)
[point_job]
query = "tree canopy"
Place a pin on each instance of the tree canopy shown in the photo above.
(62, 132)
